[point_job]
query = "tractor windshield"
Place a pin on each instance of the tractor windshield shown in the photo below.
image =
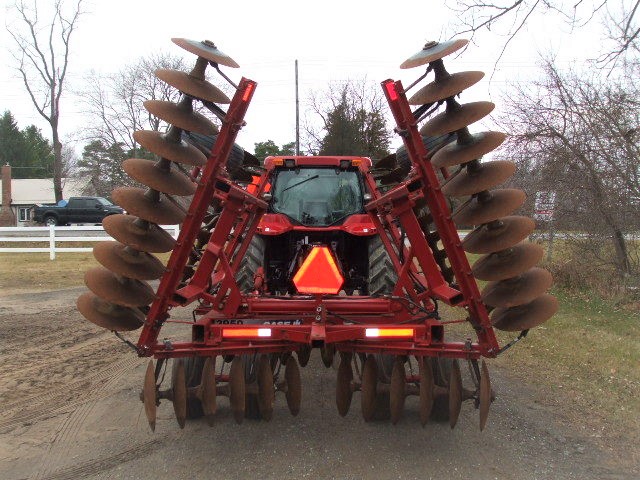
(317, 196)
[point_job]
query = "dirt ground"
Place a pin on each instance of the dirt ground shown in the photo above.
(70, 409)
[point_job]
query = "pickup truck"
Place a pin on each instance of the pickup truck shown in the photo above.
(76, 210)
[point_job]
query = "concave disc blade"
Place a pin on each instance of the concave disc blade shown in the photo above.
(327, 352)
(181, 115)
(160, 144)
(517, 290)
(179, 389)
(426, 389)
(485, 394)
(128, 262)
(266, 391)
(137, 202)
(237, 388)
(445, 87)
(123, 291)
(456, 153)
(208, 391)
(477, 178)
(369, 388)
(344, 392)
(491, 206)
(149, 395)
(508, 263)
(454, 119)
(433, 51)
(524, 317)
(388, 162)
(205, 49)
(490, 238)
(304, 353)
(109, 315)
(165, 180)
(455, 393)
(397, 390)
(294, 385)
(127, 229)
(192, 86)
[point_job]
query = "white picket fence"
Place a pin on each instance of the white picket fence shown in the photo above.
(53, 236)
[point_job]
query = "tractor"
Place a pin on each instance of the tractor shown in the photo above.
(344, 254)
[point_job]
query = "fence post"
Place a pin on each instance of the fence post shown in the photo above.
(52, 242)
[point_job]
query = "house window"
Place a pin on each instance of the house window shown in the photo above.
(24, 214)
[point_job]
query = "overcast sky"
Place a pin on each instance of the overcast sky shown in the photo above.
(332, 40)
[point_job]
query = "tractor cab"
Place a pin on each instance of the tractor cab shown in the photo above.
(316, 191)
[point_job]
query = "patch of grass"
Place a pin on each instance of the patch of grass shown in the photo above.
(34, 271)
(587, 357)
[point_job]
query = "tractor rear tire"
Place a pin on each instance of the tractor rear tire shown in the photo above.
(382, 280)
(382, 276)
(252, 260)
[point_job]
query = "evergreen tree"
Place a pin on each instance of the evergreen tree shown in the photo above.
(353, 122)
(269, 148)
(28, 152)
(102, 165)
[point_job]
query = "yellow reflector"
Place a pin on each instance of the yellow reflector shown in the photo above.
(389, 332)
(246, 332)
(356, 163)
(278, 161)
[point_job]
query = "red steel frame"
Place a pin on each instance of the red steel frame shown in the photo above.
(226, 320)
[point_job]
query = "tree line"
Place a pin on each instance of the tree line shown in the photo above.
(573, 132)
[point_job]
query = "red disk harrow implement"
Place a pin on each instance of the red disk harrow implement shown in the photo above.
(339, 253)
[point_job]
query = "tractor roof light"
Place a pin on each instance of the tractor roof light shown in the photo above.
(319, 273)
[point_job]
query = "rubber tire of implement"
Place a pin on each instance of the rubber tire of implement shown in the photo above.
(252, 260)
(433, 144)
(193, 374)
(440, 410)
(236, 155)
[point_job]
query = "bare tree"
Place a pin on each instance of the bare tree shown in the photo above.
(348, 118)
(42, 59)
(577, 135)
(115, 102)
(512, 15)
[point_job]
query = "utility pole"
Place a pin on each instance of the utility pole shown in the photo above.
(297, 114)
